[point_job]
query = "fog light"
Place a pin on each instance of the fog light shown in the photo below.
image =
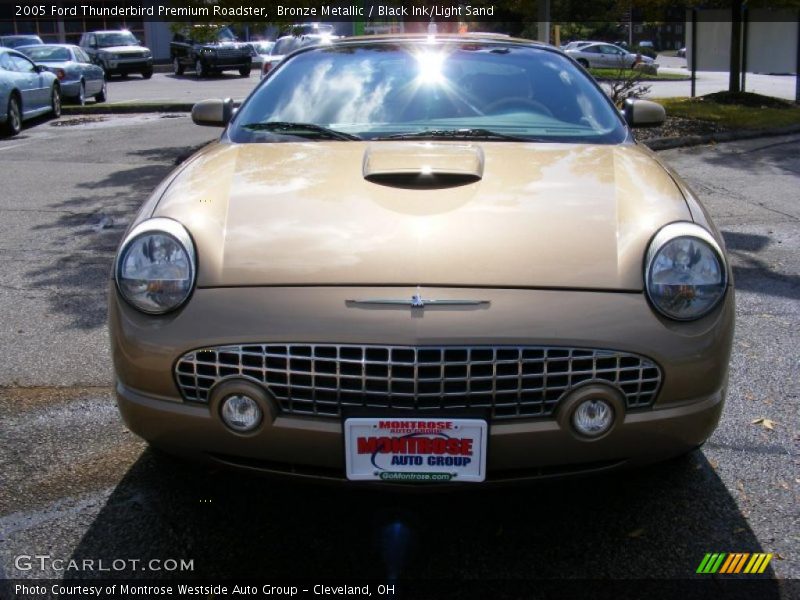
(593, 417)
(241, 413)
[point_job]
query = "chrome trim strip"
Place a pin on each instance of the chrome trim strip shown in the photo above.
(416, 301)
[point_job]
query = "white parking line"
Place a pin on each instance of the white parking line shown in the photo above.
(13, 146)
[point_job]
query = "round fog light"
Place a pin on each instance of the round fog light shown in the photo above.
(593, 417)
(241, 413)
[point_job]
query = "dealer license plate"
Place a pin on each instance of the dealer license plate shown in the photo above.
(415, 450)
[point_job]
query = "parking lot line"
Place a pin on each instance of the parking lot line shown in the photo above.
(13, 146)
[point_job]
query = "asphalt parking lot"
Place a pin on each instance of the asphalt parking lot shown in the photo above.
(76, 484)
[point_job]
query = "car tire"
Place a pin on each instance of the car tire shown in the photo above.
(13, 124)
(177, 67)
(81, 99)
(103, 94)
(244, 71)
(147, 74)
(583, 62)
(200, 69)
(55, 102)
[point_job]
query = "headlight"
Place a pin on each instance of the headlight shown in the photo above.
(685, 272)
(155, 268)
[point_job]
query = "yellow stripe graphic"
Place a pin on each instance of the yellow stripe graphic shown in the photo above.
(765, 563)
(752, 562)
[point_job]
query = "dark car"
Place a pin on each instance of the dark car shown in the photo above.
(13, 41)
(118, 52)
(209, 50)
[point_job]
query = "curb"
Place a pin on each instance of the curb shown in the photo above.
(667, 143)
(106, 109)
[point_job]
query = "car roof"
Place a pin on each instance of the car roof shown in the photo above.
(49, 46)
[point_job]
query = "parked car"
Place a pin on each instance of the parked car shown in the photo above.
(118, 52)
(289, 43)
(608, 56)
(283, 46)
(415, 259)
(260, 51)
(13, 41)
(26, 91)
(681, 52)
(576, 44)
(79, 77)
(209, 50)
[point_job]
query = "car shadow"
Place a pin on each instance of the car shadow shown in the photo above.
(654, 523)
(190, 76)
(753, 273)
(98, 219)
(133, 77)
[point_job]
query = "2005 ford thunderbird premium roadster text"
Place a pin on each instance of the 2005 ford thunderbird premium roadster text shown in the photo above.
(419, 259)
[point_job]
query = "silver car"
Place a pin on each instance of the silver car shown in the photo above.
(26, 91)
(607, 56)
(261, 51)
(79, 78)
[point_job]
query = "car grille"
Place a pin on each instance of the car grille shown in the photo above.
(233, 52)
(512, 381)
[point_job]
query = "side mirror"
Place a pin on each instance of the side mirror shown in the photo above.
(643, 113)
(213, 113)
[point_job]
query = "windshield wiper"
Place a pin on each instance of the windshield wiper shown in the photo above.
(457, 134)
(301, 129)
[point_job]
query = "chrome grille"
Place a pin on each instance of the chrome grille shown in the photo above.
(513, 381)
(225, 52)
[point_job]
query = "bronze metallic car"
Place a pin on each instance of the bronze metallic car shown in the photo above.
(423, 259)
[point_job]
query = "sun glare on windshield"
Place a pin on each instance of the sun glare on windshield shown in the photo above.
(431, 67)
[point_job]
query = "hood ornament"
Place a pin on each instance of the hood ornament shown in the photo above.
(416, 301)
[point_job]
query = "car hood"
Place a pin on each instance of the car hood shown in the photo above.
(501, 214)
(226, 45)
(124, 49)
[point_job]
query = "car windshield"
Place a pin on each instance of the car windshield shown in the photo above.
(106, 40)
(47, 53)
(15, 42)
(226, 35)
(486, 90)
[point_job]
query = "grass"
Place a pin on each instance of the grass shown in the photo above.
(742, 111)
(614, 74)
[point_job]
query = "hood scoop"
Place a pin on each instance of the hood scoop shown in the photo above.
(422, 166)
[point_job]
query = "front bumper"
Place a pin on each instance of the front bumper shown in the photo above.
(693, 358)
(133, 65)
(230, 62)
